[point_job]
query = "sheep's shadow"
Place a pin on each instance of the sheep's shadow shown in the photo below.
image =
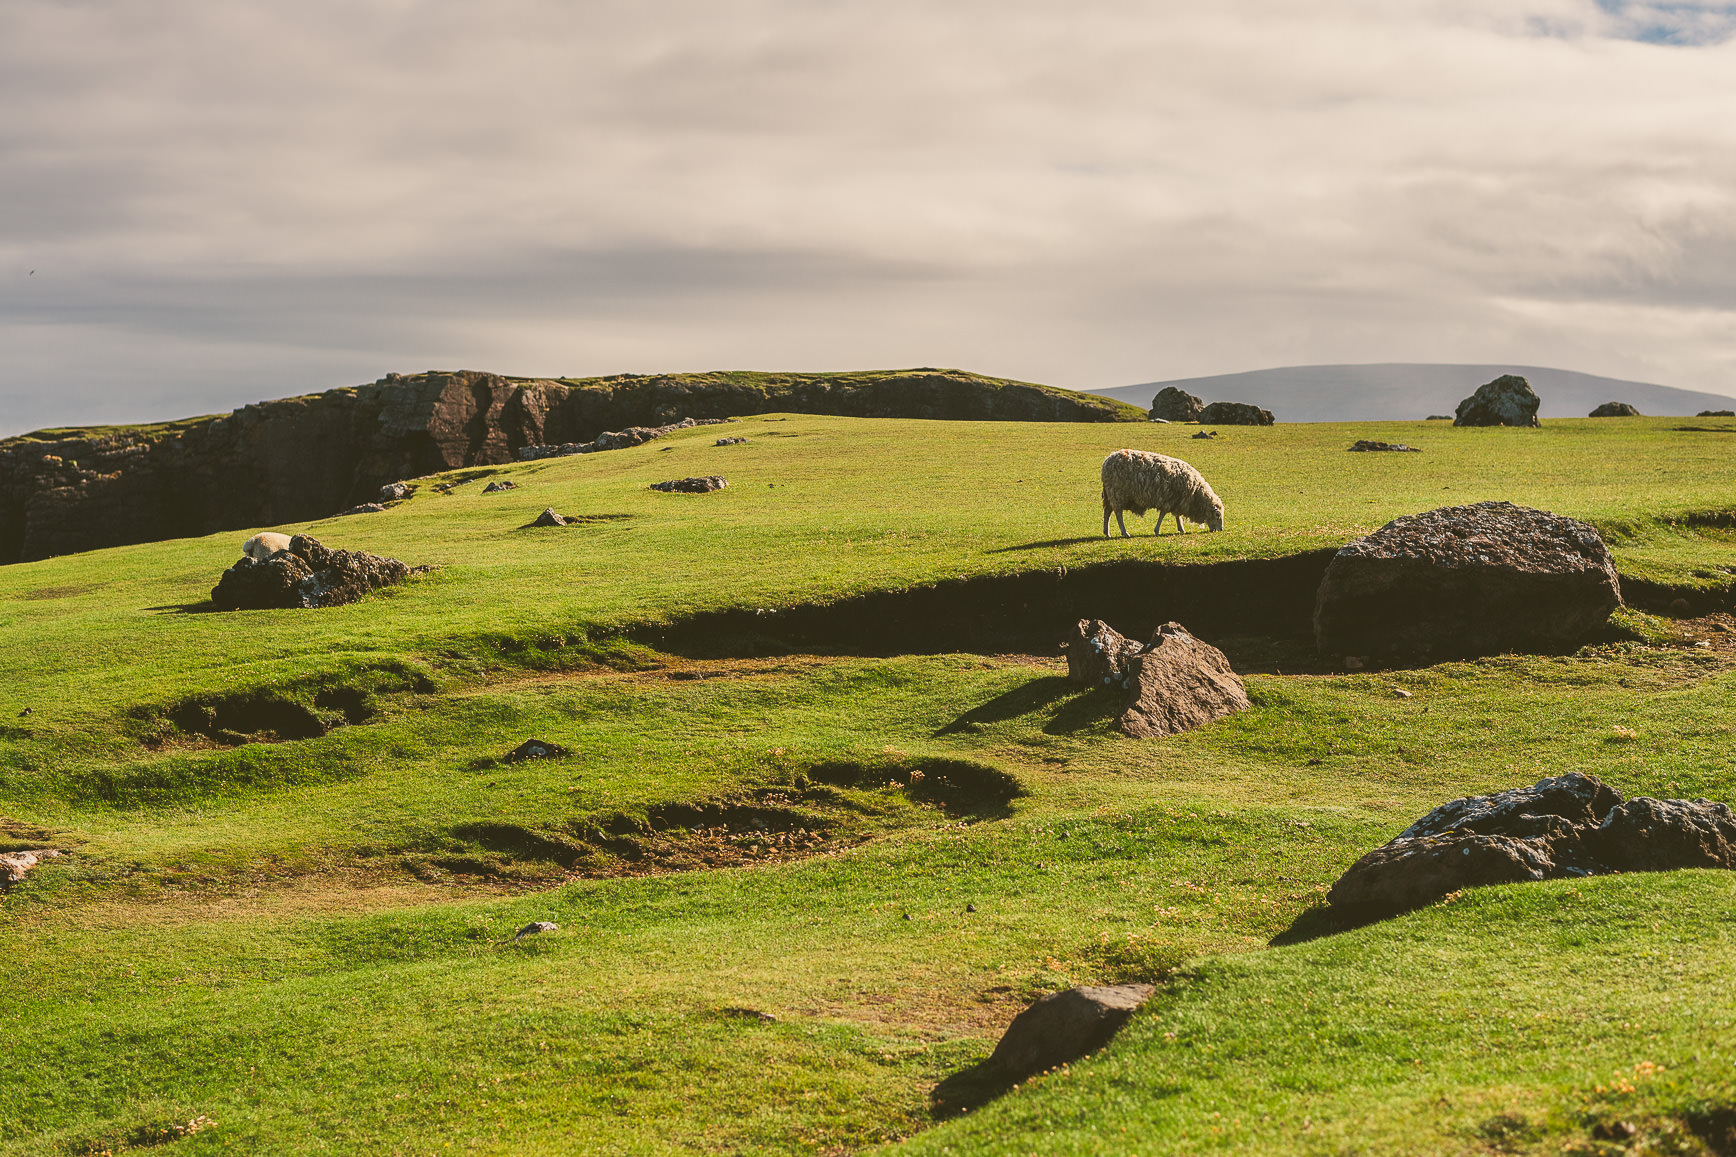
(1048, 543)
(1080, 707)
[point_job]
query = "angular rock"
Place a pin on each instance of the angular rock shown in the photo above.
(1413, 873)
(1509, 400)
(308, 574)
(691, 485)
(1567, 825)
(1655, 835)
(536, 927)
(1065, 1026)
(1364, 445)
(1174, 404)
(1206, 434)
(1615, 410)
(13, 865)
(1234, 414)
(729, 441)
(1099, 656)
(1463, 581)
(534, 749)
(549, 518)
(1178, 684)
(500, 485)
(396, 491)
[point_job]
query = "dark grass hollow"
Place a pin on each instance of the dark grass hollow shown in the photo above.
(1463, 581)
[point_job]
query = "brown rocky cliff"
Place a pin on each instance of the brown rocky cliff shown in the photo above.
(298, 459)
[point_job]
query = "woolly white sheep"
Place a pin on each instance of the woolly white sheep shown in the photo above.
(262, 546)
(1139, 480)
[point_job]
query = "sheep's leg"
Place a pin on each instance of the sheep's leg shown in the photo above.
(1159, 528)
(1179, 528)
(1121, 522)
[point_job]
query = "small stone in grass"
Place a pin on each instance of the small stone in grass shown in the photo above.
(536, 926)
(535, 749)
(970, 907)
(1400, 693)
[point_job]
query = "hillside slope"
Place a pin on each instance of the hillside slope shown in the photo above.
(1396, 391)
(68, 490)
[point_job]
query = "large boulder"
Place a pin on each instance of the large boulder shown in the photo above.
(1065, 1026)
(1509, 400)
(1234, 414)
(1178, 683)
(1174, 404)
(308, 574)
(1466, 580)
(1615, 410)
(1568, 825)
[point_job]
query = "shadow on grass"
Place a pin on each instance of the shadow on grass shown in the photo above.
(968, 1090)
(1325, 920)
(1021, 700)
(1046, 543)
(202, 607)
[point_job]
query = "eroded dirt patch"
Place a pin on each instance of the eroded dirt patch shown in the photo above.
(303, 710)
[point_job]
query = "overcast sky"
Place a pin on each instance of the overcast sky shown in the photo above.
(228, 202)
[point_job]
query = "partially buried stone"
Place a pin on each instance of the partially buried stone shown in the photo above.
(364, 508)
(1064, 1026)
(549, 518)
(729, 441)
(1615, 410)
(535, 927)
(1364, 445)
(497, 486)
(396, 491)
(1234, 414)
(13, 865)
(691, 485)
(535, 749)
(1179, 683)
(1463, 581)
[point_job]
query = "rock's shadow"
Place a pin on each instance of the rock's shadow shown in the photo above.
(1317, 922)
(968, 1090)
(1021, 700)
(203, 607)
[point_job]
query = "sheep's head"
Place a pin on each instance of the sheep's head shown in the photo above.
(1215, 514)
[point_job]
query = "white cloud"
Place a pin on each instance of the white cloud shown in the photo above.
(226, 202)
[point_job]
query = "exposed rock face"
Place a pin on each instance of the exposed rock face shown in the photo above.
(617, 439)
(1174, 404)
(308, 574)
(1509, 400)
(1098, 655)
(1173, 684)
(1065, 1026)
(703, 485)
(303, 458)
(1178, 684)
(1615, 410)
(1234, 414)
(1466, 580)
(1569, 825)
(13, 865)
(1365, 445)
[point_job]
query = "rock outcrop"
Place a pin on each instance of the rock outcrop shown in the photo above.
(1172, 684)
(298, 459)
(1234, 414)
(1615, 410)
(1368, 445)
(703, 485)
(1509, 400)
(1065, 1026)
(1568, 825)
(307, 575)
(1174, 404)
(1466, 580)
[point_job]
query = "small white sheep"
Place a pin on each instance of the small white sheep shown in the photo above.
(1139, 480)
(262, 546)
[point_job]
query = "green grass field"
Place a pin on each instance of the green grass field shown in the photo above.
(800, 893)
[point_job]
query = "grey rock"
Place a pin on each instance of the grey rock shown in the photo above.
(1234, 414)
(1365, 445)
(1065, 1026)
(499, 485)
(1615, 410)
(536, 927)
(1541, 809)
(1173, 404)
(729, 441)
(1509, 400)
(703, 485)
(1098, 655)
(307, 575)
(1206, 434)
(364, 508)
(1655, 835)
(396, 491)
(1464, 581)
(1413, 873)
(549, 518)
(534, 749)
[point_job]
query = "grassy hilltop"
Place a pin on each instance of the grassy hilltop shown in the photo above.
(798, 892)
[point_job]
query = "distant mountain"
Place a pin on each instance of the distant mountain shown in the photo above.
(1400, 390)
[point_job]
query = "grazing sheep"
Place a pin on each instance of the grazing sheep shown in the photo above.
(1139, 480)
(262, 546)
